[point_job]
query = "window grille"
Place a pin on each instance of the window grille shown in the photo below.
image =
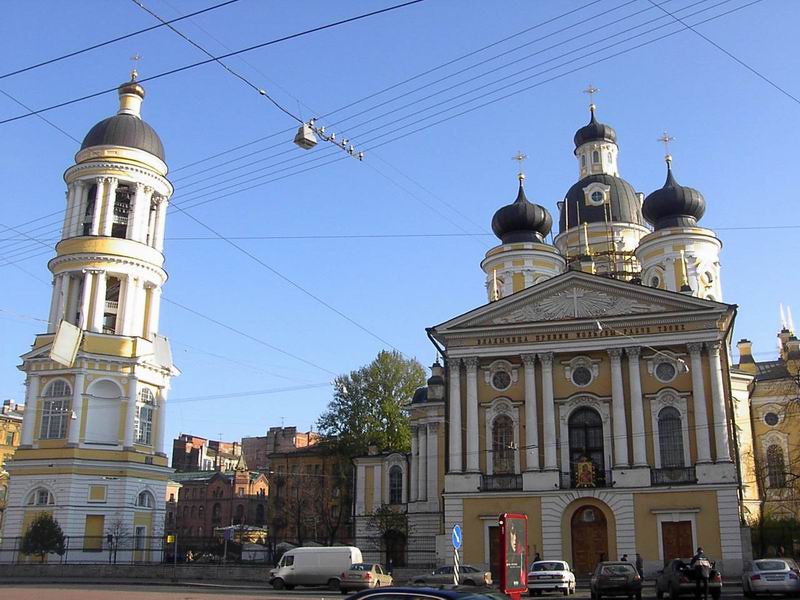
(144, 417)
(395, 485)
(54, 410)
(502, 445)
(776, 467)
(670, 438)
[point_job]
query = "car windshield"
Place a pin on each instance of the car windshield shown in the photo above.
(361, 567)
(771, 565)
(617, 570)
(547, 566)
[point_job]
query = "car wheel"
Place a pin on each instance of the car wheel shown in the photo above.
(278, 584)
(659, 593)
(565, 591)
(334, 583)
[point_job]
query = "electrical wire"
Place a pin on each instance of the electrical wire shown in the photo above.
(215, 59)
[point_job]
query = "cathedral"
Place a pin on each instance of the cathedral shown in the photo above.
(594, 392)
(91, 449)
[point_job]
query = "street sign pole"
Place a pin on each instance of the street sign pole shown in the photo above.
(457, 539)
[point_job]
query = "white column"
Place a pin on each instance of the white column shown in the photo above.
(98, 205)
(361, 495)
(718, 404)
(637, 410)
(433, 461)
(153, 311)
(68, 213)
(31, 406)
(161, 421)
(413, 482)
(99, 301)
(473, 458)
(699, 403)
(56, 303)
(454, 408)
(531, 416)
(161, 221)
(130, 413)
(126, 303)
(86, 298)
(422, 481)
(79, 200)
(620, 422)
(548, 412)
(110, 201)
(377, 497)
(73, 437)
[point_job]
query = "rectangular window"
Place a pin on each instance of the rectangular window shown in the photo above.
(10, 438)
(54, 419)
(144, 425)
(93, 533)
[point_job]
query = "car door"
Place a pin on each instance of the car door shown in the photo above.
(444, 575)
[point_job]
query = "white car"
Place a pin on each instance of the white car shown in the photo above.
(550, 576)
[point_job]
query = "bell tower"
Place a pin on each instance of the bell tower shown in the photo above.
(91, 450)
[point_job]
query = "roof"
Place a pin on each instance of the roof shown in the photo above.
(521, 221)
(673, 205)
(771, 369)
(622, 201)
(594, 131)
(125, 130)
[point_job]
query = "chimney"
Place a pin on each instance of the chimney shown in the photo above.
(783, 339)
(746, 361)
(436, 383)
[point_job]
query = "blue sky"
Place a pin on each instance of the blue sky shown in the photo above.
(735, 142)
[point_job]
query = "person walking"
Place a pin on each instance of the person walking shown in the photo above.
(624, 558)
(702, 571)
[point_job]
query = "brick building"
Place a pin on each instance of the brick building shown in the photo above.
(256, 450)
(10, 428)
(193, 453)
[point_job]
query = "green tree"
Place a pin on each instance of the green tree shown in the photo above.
(368, 405)
(44, 536)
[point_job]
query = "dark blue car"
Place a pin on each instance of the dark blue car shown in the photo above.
(445, 592)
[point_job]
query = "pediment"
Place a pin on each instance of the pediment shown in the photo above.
(578, 296)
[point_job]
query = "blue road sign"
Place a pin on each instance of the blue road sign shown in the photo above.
(456, 536)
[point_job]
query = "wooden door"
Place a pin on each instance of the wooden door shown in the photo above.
(677, 539)
(494, 552)
(589, 540)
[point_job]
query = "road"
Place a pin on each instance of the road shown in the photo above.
(73, 591)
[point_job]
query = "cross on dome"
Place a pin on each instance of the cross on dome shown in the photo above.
(666, 139)
(591, 90)
(520, 158)
(135, 60)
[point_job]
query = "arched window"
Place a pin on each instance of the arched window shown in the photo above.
(55, 410)
(144, 417)
(185, 512)
(239, 520)
(776, 467)
(145, 500)
(40, 497)
(201, 511)
(395, 485)
(194, 511)
(583, 160)
(595, 157)
(670, 438)
(260, 514)
(503, 445)
(586, 441)
(216, 512)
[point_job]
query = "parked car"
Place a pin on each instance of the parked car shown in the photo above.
(467, 575)
(677, 579)
(612, 578)
(363, 576)
(313, 566)
(771, 576)
(550, 575)
(451, 592)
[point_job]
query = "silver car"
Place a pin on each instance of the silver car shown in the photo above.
(771, 576)
(467, 575)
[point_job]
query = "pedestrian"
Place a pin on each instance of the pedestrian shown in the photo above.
(536, 557)
(640, 565)
(780, 552)
(624, 558)
(702, 571)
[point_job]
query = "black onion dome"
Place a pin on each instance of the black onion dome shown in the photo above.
(522, 221)
(125, 130)
(435, 380)
(622, 201)
(595, 131)
(420, 396)
(674, 205)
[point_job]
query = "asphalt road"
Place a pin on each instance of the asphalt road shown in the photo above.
(73, 591)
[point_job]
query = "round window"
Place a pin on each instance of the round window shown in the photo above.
(665, 371)
(597, 197)
(655, 281)
(771, 419)
(501, 380)
(581, 376)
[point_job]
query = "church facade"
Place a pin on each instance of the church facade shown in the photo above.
(91, 449)
(594, 392)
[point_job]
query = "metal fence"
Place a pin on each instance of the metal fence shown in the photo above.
(776, 538)
(143, 550)
(415, 551)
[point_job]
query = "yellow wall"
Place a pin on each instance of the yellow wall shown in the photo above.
(474, 525)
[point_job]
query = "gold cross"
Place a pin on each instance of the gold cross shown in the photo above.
(591, 90)
(134, 73)
(666, 139)
(520, 158)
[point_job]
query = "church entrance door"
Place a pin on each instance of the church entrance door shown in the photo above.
(589, 540)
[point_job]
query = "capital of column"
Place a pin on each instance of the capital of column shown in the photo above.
(713, 348)
(99, 180)
(546, 358)
(615, 353)
(471, 362)
(433, 427)
(633, 352)
(111, 180)
(694, 347)
(93, 271)
(529, 360)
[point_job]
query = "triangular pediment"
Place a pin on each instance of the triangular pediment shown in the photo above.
(576, 296)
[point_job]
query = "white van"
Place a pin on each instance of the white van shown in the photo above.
(313, 566)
